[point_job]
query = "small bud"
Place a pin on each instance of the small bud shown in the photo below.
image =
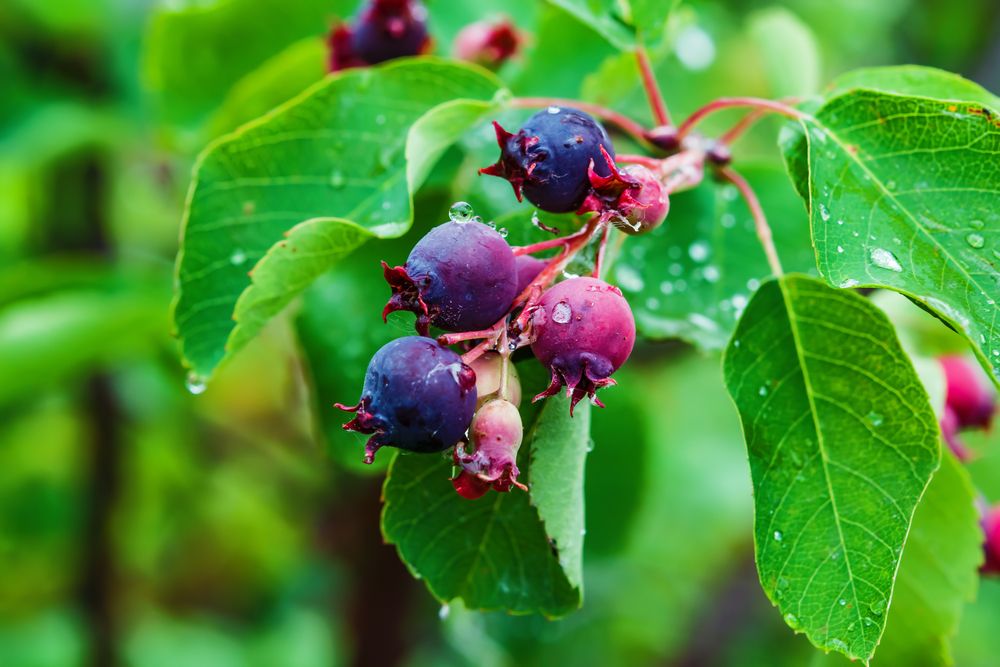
(496, 434)
(664, 137)
(488, 43)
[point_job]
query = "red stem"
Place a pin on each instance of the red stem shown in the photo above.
(601, 249)
(547, 244)
(736, 131)
(759, 219)
(651, 162)
(656, 102)
(623, 122)
(727, 102)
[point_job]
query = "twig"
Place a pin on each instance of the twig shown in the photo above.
(727, 102)
(656, 102)
(759, 219)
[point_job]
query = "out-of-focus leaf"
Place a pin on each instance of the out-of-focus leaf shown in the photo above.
(790, 53)
(353, 148)
(692, 277)
(624, 23)
(842, 443)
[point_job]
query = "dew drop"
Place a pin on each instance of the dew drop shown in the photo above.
(869, 621)
(763, 392)
(792, 621)
(842, 602)
(850, 282)
(554, 110)
(778, 536)
(884, 259)
(840, 249)
(877, 607)
(461, 211)
(975, 240)
(238, 258)
(977, 224)
(444, 612)
(562, 313)
(728, 220)
(890, 184)
(195, 383)
(711, 274)
(753, 284)
(739, 302)
(875, 418)
(502, 232)
(698, 251)
(666, 287)
(824, 213)
(337, 179)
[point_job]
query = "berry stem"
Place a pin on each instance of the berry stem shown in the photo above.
(601, 249)
(686, 170)
(656, 102)
(759, 219)
(547, 244)
(621, 121)
(452, 338)
(651, 162)
(727, 102)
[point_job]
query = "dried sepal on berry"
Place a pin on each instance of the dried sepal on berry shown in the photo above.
(631, 198)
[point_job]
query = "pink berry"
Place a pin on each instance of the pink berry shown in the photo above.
(991, 527)
(969, 392)
(496, 433)
(632, 198)
(584, 331)
(488, 43)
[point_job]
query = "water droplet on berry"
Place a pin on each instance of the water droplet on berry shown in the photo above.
(461, 211)
(975, 240)
(884, 259)
(195, 383)
(554, 110)
(238, 258)
(562, 313)
(502, 232)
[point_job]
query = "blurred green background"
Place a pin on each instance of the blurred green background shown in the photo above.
(144, 524)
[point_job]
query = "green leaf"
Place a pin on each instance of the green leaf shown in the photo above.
(693, 276)
(506, 550)
(904, 193)
(938, 574)
(789, 49)
(842, 441)
(619, 21)
(342, 151)
(916, 81)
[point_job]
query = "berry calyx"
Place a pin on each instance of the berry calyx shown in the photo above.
(489, 374)
(496, 433)
(461, 276)
(969, 393)
(631, 198)
(417, 395)
(547, 160)
(991, 527)
(382, 30)
(488, 43)
(584, 331)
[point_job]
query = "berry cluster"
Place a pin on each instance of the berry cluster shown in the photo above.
(970, 402)
(490, 299)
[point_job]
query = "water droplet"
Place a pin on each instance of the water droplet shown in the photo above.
(554, 110)
(652, 303)
(792, 621)
(875, 418)
(824, 213)
(763, 392)
(840, 222)
(877, 607)
(975, 240)
(739, 302)
(884, 259)
(838, 645)
(869, 621)
(502, 232)
(694, 48)
(753, 284)
(238, 258)
(562, 313)
(711, 274)
(778, 536)
(698, 251)
(337, 179)
(840, 249)
(461, 211)
(195, 383)
(443, 612)
(977, 224)
(842, 602)
(850, 282)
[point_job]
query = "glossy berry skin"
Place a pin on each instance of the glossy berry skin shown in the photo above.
(991, 527)
(382, 30)
(969, 392)
(648, 207)
(528, 268)
(417, 395)
(548, 159)
(584, 331)
(461, 276)
(488, 43)
(496, 433)
(488, 369)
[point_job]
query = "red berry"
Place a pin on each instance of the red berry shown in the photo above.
(991, 527)
(969, 392)
(488, 43)
(584, 331)
(496, 434)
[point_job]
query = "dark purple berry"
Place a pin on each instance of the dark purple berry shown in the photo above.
(549, 157)
(461, 276)
(418, 396)
(382, 30)
(584, 331)
(496, 434)
(969, 392)
(488, 43)
(528, 268)
(991, 527)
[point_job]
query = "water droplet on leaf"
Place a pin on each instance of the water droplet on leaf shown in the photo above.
(195, 383)
(975, 240)
(884, 259)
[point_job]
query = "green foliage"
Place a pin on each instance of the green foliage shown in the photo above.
(842, 442)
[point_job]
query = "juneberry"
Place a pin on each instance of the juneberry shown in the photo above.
(969, 392)
(528, 268)
(991, 527)
(461, 276)
(547, 160)
(382, 30)
(631, 198)
(489, 374)
(417, 395)
(584, 331)
(495, 434)
(488, 43)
